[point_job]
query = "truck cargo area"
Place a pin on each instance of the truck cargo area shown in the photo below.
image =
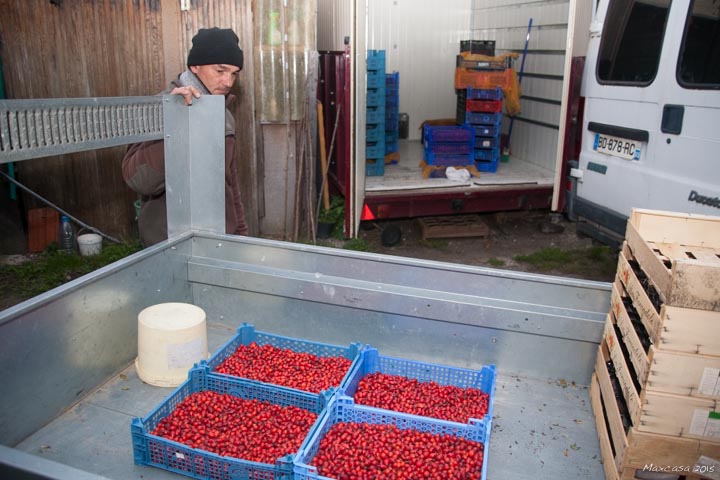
(71, 391)
(406, 175)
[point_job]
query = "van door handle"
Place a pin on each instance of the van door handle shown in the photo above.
(672, 119)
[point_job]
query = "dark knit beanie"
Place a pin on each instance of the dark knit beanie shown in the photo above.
(213, 46)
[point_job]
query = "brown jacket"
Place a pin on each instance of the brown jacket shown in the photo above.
(143, 169)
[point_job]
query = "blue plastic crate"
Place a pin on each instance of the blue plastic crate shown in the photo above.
(484, 379)
(375, 149)
(487, 142)
(483, 93)
(343, 409)
(391, 147)
(375, 79)
(391, 136)
(448, 159)
(487, 130)
(154, 451)
(448, 133)
(374, 168)
(375, 97)
(392, 80)
(483, 118)
(246, 334)
(449, 147)
(487, 154)
(374, 132)
(392, 101)
(376, 60)
(392, 120)
(375, 114)
(491, 166)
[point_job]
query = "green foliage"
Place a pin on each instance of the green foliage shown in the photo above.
(54, 267)
(335, 214)
(434, 243)
(601, 259)
(357, 244)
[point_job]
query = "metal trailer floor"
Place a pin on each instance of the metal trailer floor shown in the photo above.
(407, 174)
(543, 428)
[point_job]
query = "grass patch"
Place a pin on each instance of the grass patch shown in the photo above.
(600, 261)
(357, 244)
(434, 243)
(495, 262)
(54, 267)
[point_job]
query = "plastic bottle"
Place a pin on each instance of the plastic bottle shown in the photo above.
(66, 237)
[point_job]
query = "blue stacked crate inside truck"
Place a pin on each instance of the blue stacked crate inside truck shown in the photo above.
(448, 145)
(481, 109)
(375, 114)
(392, 118)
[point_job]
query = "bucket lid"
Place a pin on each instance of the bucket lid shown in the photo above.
(171, 316)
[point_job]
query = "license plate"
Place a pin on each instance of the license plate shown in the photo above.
(616, 146)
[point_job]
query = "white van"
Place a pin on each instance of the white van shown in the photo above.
(651, 122)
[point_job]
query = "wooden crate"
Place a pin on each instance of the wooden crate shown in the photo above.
(680, 254)
(625, 450)
(676, 328)
(659, 366)
(43, 226)
(664, 406)
(453, 226)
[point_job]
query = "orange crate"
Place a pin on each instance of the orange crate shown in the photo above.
(465, 78)
(42, 228)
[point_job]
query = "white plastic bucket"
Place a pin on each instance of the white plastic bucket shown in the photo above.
(172, 337)
(89, 244)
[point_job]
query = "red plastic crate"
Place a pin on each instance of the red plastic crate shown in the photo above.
(490, 106)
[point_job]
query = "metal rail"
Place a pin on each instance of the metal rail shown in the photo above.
(47, 127)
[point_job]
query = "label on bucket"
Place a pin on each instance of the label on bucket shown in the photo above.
(182, 355)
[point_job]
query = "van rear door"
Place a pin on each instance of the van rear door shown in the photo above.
(650, 138)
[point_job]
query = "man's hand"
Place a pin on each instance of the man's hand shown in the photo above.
(187, 93)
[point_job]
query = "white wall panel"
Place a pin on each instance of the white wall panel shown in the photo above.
(506, 21)
(532, 142)
(335, 22)
(549, 64)
(421, 39)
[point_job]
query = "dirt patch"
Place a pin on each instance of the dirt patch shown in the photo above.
(511, 236)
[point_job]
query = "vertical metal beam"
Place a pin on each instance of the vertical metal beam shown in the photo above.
(195, 164)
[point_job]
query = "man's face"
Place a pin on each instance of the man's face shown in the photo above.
(218, 79)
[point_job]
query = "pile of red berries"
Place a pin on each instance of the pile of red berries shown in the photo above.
(233, 427)
(429, 399)
(285, 367)
(355, 451)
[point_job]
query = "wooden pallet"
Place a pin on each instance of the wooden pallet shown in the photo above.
(626, 453)
(680, 254)
(453, 226)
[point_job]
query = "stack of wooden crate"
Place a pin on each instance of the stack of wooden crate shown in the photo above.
(656, 386)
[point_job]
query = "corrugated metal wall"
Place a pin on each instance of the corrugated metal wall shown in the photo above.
(107, 48)
(535, 131)
(335, 22)
(421, 39)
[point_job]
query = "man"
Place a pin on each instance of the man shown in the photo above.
(214, 62)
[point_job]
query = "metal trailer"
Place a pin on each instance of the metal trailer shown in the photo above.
(69, 387)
